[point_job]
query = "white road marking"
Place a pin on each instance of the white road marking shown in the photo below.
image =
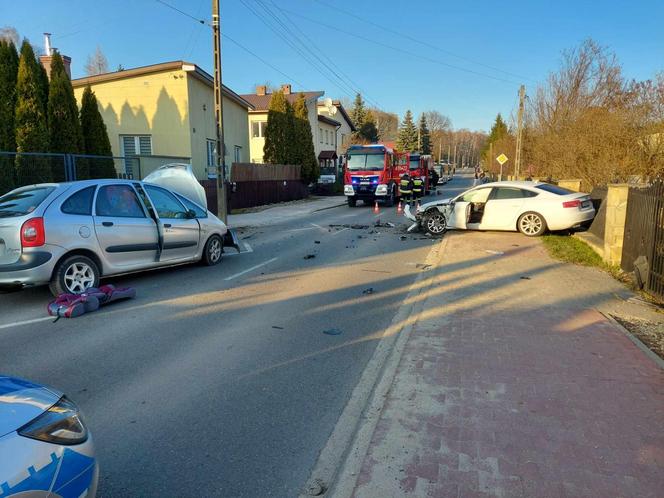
(300, 229)
(317, 226)
(26, 322)
(251, 269)
(339, 231)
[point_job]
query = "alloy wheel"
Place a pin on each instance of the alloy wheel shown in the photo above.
(215, 250)
(531, 224)
(436, 223)
(78, 277)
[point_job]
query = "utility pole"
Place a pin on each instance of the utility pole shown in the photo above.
(490, 161)
(219, 115)
(440, 151)
(454, 161)
(519, 132)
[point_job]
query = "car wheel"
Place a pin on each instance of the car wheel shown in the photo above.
(434, 222)
(352, 201)
(74, 275)
(213, 250)
(531, 224)
(389, 200)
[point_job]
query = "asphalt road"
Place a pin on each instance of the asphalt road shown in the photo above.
(225, 381)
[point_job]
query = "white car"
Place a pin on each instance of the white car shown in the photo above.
(532, 208)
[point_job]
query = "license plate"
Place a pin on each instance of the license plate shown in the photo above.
(585, 204)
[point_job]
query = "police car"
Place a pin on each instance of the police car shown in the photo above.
(45, 447)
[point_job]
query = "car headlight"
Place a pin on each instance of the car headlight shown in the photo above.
(60, 424)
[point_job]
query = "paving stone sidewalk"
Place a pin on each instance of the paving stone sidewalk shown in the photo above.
(514, 384)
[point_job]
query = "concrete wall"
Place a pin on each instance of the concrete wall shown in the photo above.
(574, 185)
(616, 212)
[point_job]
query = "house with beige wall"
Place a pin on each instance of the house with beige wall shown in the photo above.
(168, 110)
(323, 127)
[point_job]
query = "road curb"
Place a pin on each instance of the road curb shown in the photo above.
(337, 468)
(637, 342)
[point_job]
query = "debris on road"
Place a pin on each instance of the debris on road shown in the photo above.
(370, 290)
(403, 237)
(309, 256)
(422, 266)
(277, 327)
(490, 251)
(524, 278)
(332, 331)
(387, 224)
(316, 241)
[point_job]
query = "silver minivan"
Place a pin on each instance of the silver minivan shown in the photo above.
(69, 235)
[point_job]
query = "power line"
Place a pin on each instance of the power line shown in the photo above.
(399, 49)
(353, 84)
(250, 52)
(264, 19)
(202, 21)
(421, 42)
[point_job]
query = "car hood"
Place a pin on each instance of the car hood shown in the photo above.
(21, 401)
(179, 178)
(440, 202)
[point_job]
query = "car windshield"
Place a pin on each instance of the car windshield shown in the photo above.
(328, 170)
(23, 201)
(554, 189)
(366, 162)
(414, 164)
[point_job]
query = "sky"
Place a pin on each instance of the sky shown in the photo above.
(465, 59)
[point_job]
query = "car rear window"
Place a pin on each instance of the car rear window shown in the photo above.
(554, 189)
(80, 202)
(23, 201)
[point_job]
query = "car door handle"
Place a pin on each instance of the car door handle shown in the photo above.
(107, 223)
(167, 225)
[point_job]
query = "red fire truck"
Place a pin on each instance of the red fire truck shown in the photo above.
(372, 173)
(419, 165)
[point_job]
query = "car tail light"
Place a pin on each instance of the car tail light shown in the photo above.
(572, 204)
(33, 233)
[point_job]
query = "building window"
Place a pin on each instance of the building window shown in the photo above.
(320, 134)
(211, 149)
(327, 136)
(258, 129)
(237, 153)
(134, 145)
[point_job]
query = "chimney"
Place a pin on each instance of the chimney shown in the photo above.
(286, 89)
(261, 90)
(48, 57)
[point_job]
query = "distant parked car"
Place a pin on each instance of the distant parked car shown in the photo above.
(69, 235)
(529, 207)
(45, 447)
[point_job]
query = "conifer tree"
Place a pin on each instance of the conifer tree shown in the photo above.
(30, 120)
(95, 137)
(407, 140)
(368, 132)
(499, 131)
(279, 132)
(358, 115)
(8, 74)
(304, 153)
(424, 136)
(64, 128)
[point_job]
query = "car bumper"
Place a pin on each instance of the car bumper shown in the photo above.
(573, 220)
(32, 268)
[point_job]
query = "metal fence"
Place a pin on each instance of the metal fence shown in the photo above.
(643, 244)
(18, 169)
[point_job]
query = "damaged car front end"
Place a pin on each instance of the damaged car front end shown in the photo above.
(433, 217)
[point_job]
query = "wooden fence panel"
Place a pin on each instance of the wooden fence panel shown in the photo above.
(254, 172)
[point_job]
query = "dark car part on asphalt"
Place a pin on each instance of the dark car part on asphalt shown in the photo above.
(332, 331)
(309, 256)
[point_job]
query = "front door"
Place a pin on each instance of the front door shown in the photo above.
(464, 206)
(180, 233)
(126, 235)
(502, 208)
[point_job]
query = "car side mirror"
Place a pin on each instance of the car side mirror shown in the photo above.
(191, 214)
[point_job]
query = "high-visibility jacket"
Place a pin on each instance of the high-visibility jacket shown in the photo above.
(405, 186)
(417, 184)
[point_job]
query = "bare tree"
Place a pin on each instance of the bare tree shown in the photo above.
(387, 124)
(9, 33)
(96, 63)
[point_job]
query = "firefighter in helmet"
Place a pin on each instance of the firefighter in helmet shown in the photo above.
(418, 187)
(406, 188)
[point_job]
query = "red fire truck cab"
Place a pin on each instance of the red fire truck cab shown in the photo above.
(419, 165)
(371, 174)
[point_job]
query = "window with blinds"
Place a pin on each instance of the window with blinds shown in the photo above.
(133, 145)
